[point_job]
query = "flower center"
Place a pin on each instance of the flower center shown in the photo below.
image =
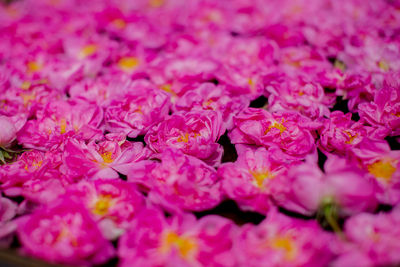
(156, 3)
(351, 137)
(184, 245)
(278, 126)
(33, 66)
(107, 157)
(185, 137)
(88, 50)
(63, 126)
(382, 169)
(102, 205)
(119, 23)
(260, 176)
(285, 244)
(128, 63)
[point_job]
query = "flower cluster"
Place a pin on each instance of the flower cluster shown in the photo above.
(201, 133)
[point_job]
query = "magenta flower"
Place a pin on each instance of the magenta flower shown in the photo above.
(339, 133)
(383, 166)
(177, 241)
(112, 203)
(306, 97)
(61, 119)
(35, 175)
(374, 240)
(8, 210)
(8, 131)
(136, 111)
(255, 175)
(179, 182)
(101, 160)
(384, 110)
(194, 133)
(290, 131)
(343, 185)
(65, 233)
(211, 97)
(283, 241)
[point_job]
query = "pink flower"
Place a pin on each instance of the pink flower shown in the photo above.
(374, 239)
(194, 133)
(177, 241)
(61, 119)
(254, 177)
(384, 110)
(299, 94)
(101, 160)
(134, 112)
(179, 182)
(340, 133)
(290, 131)
(382, 165)
(342, 185)
(8, 210)
(8, 131)
(35, 175)
(211, 97)
(112, 203)
(64, 233)
(283, 241)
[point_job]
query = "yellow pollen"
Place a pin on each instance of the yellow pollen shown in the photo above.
(119, 23)
(383, 65)
(276, 125)
(63, 126)
(184, 245)
(301, 93)
(88, 50)
(128, 63)
(167, 88)
(382, 169)
(33, 66)
(102, 205)
(286, 245)
(351, 137)
(26, 85)
(339, 65)
(185, 138)
(35, 164)
(156, 3)
(250, 82)
(27, 98)
(107, 157)
(260, 176)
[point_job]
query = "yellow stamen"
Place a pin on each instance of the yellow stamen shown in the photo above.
(102, 205)
(278, 126)
(351, 137)
(128, 63)
(26, 85)
(184, 245)
(286, 245)
(339, 65)
(156, 3)
(107, 157)
(119, 23)
(382, 169)
(63, 126)
(33, 66)
(185, 138)
(88, 50)
(383, 65)
(260, 176)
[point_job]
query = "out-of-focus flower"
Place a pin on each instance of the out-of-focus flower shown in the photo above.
(8, 210)
(134, 112)
(101, 160)
(61, 119)
(65, 233)
(194, 133)
(178, 241)
(384, 110)
(383, 165)
(254, 177)
(113, 203)
(179, 182)
(342, 185)
(289, 131)
(8, 131)
(284, 241)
